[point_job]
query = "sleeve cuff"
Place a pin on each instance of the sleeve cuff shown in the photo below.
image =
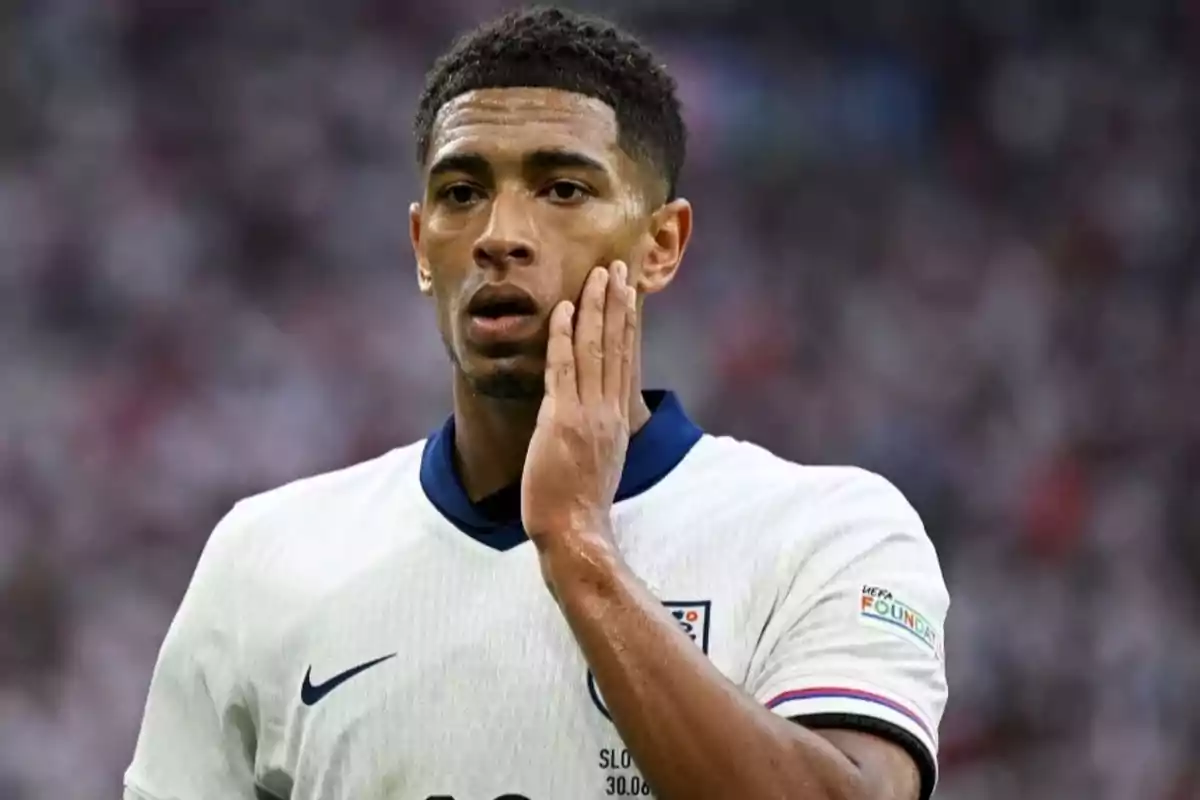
(868, 711)
(920, 754)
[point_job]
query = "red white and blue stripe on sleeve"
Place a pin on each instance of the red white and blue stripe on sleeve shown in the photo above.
(844, 693)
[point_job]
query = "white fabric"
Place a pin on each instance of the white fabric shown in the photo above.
(487, 693)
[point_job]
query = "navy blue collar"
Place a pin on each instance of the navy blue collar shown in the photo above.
(495, 521)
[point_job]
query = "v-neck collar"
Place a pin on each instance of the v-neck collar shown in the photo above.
(495, 520)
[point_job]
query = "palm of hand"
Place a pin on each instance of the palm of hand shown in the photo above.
(577, 452)
(572, 470)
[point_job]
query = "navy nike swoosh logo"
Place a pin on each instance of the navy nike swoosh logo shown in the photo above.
(310, 694)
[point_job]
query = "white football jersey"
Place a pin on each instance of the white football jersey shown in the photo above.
(372, 634)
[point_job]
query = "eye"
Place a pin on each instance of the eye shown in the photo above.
(567, 192)
(459, 194)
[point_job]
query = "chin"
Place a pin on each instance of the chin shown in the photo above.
(507, 379)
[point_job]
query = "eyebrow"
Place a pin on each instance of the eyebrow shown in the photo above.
(469, 163)
(548, 159)
(543, 160)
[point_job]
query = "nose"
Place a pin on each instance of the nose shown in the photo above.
(508, 239)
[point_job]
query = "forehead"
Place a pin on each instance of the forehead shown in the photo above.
(506, 123)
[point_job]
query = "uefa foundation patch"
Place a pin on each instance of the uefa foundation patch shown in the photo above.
(879, 608)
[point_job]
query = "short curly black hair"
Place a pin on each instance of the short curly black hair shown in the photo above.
(555, 48)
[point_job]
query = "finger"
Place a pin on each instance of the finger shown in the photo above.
(615, 309)
(589, 332)
(560, 355)
(629, 362)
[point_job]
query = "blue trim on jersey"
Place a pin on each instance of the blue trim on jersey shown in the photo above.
(654, 451)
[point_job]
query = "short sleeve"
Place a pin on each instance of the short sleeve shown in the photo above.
(197, 736)
(855, 640)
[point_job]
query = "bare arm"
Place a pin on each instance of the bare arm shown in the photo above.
(692, 732)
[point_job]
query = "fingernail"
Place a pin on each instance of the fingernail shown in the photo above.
(570, 309)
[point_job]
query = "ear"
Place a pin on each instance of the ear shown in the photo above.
(670, 231)
(424, 277)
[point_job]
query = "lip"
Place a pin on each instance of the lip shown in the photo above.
(490, 295)
(518, 318)
(505, 328)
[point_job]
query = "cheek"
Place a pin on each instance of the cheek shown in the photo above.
(449, 260)
(446, 316)
(604, 234)
(447, 296)
(446, 278)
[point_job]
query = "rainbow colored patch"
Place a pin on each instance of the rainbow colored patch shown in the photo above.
(878, 606)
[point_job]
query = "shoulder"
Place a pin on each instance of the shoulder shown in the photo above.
(332, 492)
(830, 490)
(275, 552)
(819, 512)
(313, 524)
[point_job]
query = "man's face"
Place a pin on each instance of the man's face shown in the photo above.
(526, 191)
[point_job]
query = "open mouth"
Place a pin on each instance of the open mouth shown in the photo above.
(495, 302)
(501, 315)
(505, 308)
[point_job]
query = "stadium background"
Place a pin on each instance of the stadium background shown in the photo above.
(951, 241)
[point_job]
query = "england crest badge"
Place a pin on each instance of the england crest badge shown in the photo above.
(692, 616)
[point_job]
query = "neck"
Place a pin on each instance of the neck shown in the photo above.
(491, 436)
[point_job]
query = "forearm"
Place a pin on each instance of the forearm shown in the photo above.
(692, 733)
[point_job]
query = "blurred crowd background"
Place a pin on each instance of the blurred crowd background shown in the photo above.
(954, 242)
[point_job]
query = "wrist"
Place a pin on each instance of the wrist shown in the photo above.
(572, 533)
(581, 560)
